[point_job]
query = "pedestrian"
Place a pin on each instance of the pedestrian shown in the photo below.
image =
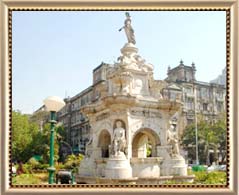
(20, 168)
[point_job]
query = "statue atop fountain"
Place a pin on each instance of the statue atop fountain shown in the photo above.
(129, 31)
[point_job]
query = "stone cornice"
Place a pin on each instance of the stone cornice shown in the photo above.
(127, 101)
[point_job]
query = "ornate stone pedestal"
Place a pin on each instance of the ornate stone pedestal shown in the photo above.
(175, 166)
(118, 167)
(146, 167)
(163, 151)
(86, 168)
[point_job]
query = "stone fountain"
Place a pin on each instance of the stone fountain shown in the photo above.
(134, 133)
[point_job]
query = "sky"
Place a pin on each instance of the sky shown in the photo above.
(55, 52)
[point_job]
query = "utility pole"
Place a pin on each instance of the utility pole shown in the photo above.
(196, 125)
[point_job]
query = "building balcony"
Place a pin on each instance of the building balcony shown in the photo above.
(205, 112)
(189, 110)
(204, 98)
(190, 95)
(76, 123)
(77, 108)
(62, 114)
(190, 116)
(82, 119)
(220, 99)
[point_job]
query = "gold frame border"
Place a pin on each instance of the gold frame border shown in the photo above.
(231, 6)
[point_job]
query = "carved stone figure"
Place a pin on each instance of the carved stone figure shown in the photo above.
(128, 29)
(119, 141)
(172, 139)
(88, 148)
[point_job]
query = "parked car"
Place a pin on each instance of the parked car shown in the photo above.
(64, 176)
(216, 168)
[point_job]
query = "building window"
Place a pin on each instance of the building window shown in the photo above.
(188, 90)
(82, 101)
(205, 105)
(172, 96)
(189, 104)
(204, 93)
(219, 107)
(190, 121)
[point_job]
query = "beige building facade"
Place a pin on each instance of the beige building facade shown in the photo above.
(205, 100)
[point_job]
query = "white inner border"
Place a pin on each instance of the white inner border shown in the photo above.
(103, 4)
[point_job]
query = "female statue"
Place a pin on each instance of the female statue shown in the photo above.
(128, 29)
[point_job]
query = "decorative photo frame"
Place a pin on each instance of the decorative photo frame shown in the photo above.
(231, 7)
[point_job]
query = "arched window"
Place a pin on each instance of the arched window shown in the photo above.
(104, 143)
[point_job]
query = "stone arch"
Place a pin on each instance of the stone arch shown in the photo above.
(105, 124)
(104, 141)
(143, 138)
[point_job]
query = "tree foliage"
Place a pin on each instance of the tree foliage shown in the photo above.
(39, 116)
(210, 137)
(22, 136)
(73, 161)
(28, 140)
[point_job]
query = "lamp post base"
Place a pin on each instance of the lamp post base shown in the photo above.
(51, 171)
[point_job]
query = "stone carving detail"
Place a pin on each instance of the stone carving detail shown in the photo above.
(131, 59)
(138, 85)
(102, 116)
(145, 114)
(88, 151)
(119, 140)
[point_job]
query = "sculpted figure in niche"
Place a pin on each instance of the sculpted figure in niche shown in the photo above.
(128, 29)
(119, 141)
(87, 148)
(172, 139)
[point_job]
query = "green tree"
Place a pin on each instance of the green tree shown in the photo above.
(220, 128)
(73, 162)
(22, 136)
(210, 137)
(39, 116)
(29, 140)
(59, 134)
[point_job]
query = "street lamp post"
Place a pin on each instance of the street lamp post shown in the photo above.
(52, 104)
(196, 125)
